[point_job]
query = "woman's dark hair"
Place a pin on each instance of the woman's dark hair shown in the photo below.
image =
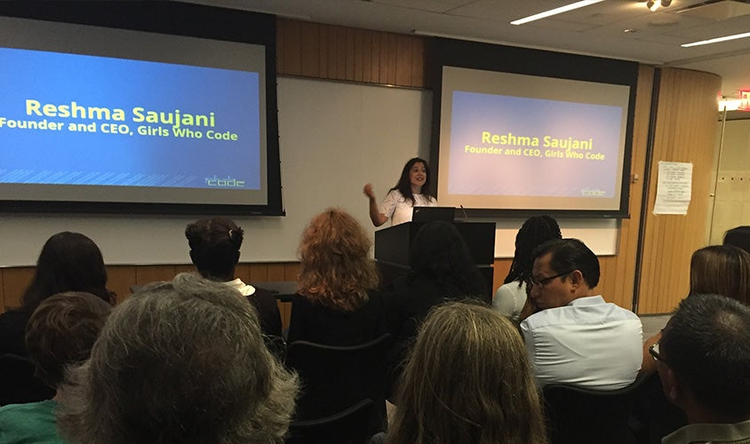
(404, 183)
(534, 232)
(215, 247)
(68, 262)
(440, 253)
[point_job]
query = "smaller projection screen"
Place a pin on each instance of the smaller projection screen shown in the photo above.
(110, 116)
(522, 142)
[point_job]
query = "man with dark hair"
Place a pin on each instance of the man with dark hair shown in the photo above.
(703, 359)
(575, 337)
(61, 332)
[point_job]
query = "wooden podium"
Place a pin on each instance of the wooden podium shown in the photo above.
(392, 247)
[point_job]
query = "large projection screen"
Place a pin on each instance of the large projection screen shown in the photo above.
(113, 118)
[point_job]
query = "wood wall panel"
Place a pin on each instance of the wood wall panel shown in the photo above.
(356, 55)
(15, 281)
(119, 280)
(622, 271)
(685, 132)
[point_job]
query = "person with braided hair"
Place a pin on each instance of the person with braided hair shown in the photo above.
(510, 298)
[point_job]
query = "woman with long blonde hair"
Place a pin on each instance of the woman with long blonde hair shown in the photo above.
(336, 302)
(467, 381)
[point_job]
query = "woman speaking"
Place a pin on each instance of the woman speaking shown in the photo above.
(413, 189)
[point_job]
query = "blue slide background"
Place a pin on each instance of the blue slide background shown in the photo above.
(488, 174)
(66, 157)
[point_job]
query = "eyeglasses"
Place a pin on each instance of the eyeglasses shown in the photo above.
(544, 281)
(654, 352)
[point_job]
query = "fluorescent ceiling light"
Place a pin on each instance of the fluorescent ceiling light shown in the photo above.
(555, 11)
(717, 40)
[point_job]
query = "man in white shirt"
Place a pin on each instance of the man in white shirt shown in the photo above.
(703, 359)
(575, 337)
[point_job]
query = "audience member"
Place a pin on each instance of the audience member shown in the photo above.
(575, 337)
(704, 365)
(179, 362)
(716, 269)
(510, 298)
(467, 381)
(68, 262)
(336, 303)
(722, 270)
(739, 237)
(215, 250)
(60, 332)
(441, 270)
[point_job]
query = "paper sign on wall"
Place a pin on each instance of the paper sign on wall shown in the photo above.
(674, 188)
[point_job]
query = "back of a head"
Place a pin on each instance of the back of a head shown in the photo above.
(336, 267)
(739, 237)
(215, 246)
(722, 270)
(570, 254)
(467, 381)
(180, 362)
(534, 232)
(707, 345)
(68, 262)
(61, 332)
(439, 252)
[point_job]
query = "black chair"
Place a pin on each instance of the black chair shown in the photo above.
(18, 384)
(336, 378)
(581, 416)
(347, 427)
(653, 417)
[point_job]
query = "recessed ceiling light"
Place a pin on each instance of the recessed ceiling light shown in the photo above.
(555, 11)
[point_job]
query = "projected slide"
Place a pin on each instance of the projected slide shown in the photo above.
(69, 119)
(521, 142)
(520, 146)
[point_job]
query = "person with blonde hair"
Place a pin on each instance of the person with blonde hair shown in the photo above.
(467, 380)
(336, 303)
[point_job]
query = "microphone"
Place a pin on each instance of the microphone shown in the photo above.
(466, 216)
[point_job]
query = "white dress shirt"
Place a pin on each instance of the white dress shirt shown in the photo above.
(587, 343)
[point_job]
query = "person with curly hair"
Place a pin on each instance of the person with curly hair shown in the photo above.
(336, 303)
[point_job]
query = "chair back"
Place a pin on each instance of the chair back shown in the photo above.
(347, 427)
(18, 384)
(334, 378)
(579, 415)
